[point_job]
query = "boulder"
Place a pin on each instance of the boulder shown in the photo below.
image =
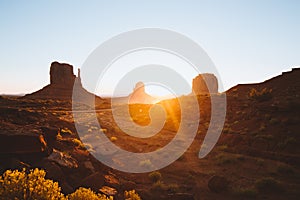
(23, 144)
(112, 180)
(109, 191)
(63, 159)
(50, 135)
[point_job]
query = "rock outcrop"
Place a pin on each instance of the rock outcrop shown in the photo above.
(61, 75)
(139, 95)
(205, 83)
(63, 83)
(62, 80)
(24, 144)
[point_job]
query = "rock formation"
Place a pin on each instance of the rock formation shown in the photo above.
(62, 83)
(61, 75)
(139, 95)
(202, 82)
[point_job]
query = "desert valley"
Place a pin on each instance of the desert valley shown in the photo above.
(256, 157)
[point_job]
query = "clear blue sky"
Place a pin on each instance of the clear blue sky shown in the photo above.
(249, 41)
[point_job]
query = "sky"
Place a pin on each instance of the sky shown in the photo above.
(248, 41)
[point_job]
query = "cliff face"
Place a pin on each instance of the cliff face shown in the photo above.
(202, 82)
(61, 75)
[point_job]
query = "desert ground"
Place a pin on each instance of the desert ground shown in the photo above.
(256, 157)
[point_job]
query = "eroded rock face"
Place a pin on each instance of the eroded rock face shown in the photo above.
(61, 74)
(205, 83)
(62, 159)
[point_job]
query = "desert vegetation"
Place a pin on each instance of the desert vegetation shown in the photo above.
(23, 185)
(260, 95)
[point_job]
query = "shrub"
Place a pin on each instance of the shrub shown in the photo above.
(20, 185)
(246, 193)
(285, 169)
(223, 147)
(260, 161)
(173, 188)
(265, 137)
(155, 176)
(131, 195)
(262, 127)
(274, 121)
(268, 184)
(83, 193)
(223, 158)
(263, 95)
(159, 185)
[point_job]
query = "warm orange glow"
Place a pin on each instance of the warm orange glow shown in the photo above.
(171, 107)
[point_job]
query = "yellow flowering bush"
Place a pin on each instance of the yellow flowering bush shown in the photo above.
(20, 185)
(84, 194)
(131, 195)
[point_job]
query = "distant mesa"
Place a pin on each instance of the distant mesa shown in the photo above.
(202, 84)
(139, 95)
(205, 83)
(62, 83)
